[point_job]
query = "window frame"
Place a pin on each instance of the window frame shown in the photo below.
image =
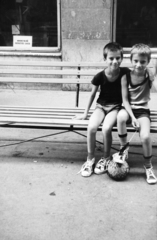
(41, 49)
(113, 28)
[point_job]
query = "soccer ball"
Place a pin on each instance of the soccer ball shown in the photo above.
(118, 171)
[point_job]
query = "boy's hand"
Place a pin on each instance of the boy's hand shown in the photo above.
(80, 117)
(135, 123)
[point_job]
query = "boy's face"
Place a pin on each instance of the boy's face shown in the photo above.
(139, 62)
(113, 59)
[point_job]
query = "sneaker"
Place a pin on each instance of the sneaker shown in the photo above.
(125, 154)
(151, 179)
(101, 166)
(87, 168)
(121, 158)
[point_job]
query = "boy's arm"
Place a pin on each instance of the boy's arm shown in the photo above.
(90, 101)
(126, 103)
(155, 75)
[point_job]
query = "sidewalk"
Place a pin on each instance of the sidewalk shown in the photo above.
(43, 197)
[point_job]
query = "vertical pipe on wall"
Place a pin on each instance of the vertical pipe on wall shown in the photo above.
(59, 23)
(113, 19)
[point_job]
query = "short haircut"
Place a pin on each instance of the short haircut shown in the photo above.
(142, 50)
(112, 47)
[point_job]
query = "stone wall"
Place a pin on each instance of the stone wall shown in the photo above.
(85, 29)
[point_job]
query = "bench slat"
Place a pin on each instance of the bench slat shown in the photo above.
(51, 111)
(50, 72)
(23, 108)
(51, 116)
(45, 109)
(44, 80)
(53, 64)
(62, 64)
(46, 121)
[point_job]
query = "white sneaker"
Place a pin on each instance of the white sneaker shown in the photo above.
(101, 166)
(87, 168)
(121, 158)
(151, 179)
(125, 154)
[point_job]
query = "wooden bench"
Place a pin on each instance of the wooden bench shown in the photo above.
(51, 72)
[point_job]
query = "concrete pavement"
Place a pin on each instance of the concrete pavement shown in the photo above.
(42, 197)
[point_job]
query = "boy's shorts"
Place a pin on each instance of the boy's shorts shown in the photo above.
(139, 113)
(108, 108)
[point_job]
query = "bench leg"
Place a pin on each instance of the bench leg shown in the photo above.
(77, 94)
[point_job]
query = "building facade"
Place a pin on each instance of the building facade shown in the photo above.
(71, 30)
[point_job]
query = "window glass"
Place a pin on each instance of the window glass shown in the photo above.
(35, 18)
(136, 22)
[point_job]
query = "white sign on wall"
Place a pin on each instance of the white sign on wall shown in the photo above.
(22, 41)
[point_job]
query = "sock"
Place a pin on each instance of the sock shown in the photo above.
(90, 156)
(148, 161)
(123, 139)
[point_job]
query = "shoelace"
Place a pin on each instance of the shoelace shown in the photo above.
(125, 154)
(150, 173)
(102, 161)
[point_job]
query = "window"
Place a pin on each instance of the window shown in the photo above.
(136, 21)
(30, 24)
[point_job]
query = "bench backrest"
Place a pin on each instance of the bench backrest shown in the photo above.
(50, 72)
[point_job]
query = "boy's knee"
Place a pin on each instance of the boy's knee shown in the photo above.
(92, 128)
(145, 138)
(106, 129)
(122, 117)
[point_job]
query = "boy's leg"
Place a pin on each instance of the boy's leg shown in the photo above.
(109, 122)
(145, 136)
(94, 122)
(122, 118)
(147, 148)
